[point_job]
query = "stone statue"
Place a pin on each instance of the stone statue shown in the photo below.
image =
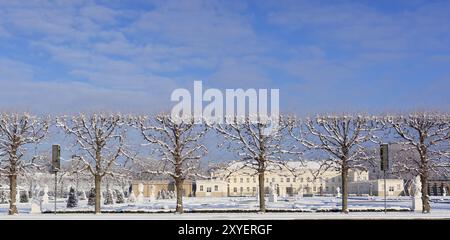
(300, 192)
(152, 193)
(417, 198)
(132, 198)
(83, 195)
(140, 197)
(44, 198)
(444, 191)
(417, 186)
(36, 192)
(338, 192)
(36, 205)
(273, 197)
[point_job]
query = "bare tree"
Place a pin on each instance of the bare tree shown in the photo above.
(178, 144)
(100, 140)
(16, 132)
(342, 139)
(39, 165)
(258, 149)
(426, 135)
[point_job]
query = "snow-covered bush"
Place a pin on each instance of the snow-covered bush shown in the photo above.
(72, 201)
(119, 196)
(91, 197)
(24, 197)
(3, 197)
(109, 197)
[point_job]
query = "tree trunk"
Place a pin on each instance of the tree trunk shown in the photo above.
(262, 201)
(98, 193)
(423, 151)
(12, 194)
(179, 189)
(425, 198)
(344, 176)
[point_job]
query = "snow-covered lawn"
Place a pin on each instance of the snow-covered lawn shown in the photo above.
(243, 208)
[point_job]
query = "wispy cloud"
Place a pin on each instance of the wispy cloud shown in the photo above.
(359, 55)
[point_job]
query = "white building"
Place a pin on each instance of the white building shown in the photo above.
(292, 179)
(211, 188)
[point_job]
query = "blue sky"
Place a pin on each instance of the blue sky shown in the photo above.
(370, 56)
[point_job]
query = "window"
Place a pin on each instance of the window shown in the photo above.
(308, 179)
(201, 188)
(332, 180)
(208, 189)
(288, 180)
(229, 180)
(242, 189)
(254, 189)
(216, 188)
(254, 179)
(235, 189)
(267, 180)
(301, 179)
(248, 180)
(314, 188)
(391, 188)
(248, 189)
(326, 189)
(295, 179)
(242, 180)
(273, 179)
(235, 180)
(281, 179)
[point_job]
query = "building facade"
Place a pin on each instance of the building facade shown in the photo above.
(162, 185)
(439, 187)
(211, 188)
(394, 187)
(294, 178)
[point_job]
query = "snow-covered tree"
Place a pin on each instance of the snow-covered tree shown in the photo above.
(72, 200)
(3, 197)
(91, 197)
(343, 138)
(178, 144)
(37, 171)
(23, 197)
(119, 196)
(17, 131)
(100, 139)
(257, 148)
(427, 137)
(109, 200)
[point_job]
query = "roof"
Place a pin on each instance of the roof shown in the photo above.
(235, 165)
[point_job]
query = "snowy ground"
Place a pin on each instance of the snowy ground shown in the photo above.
(200, 208)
